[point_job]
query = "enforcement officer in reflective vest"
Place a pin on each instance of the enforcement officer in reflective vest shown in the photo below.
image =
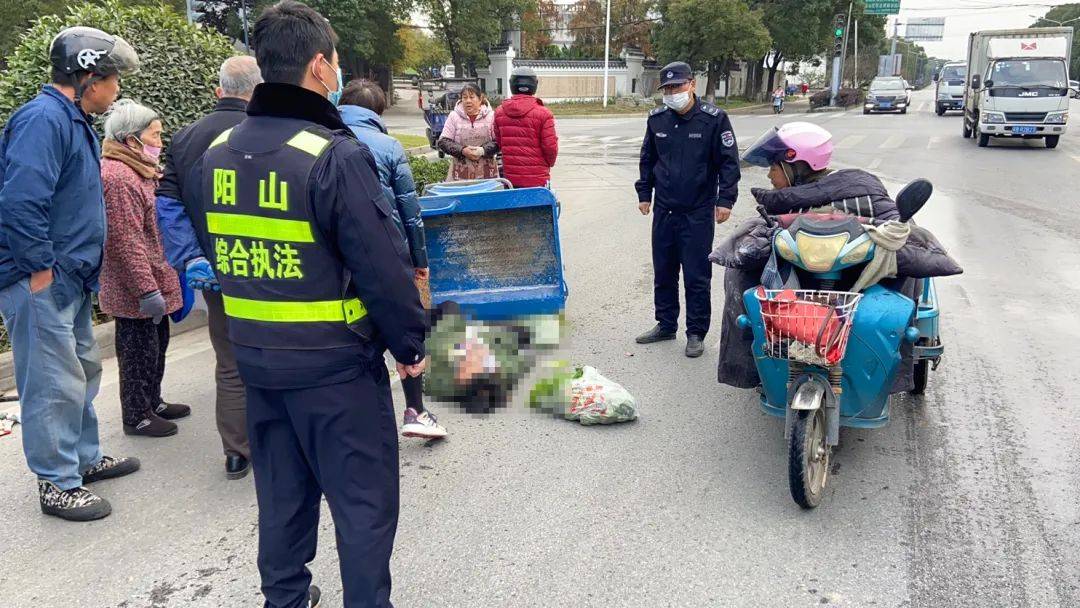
(316, 283)
(690, 171)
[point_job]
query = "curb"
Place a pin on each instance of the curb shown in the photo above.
(105, 336)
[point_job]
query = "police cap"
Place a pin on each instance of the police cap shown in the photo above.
(676, 72)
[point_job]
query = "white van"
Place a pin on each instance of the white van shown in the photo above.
(949, 91)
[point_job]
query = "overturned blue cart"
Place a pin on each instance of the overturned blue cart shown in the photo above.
(494, 250)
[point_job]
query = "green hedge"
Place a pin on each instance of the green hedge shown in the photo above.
(179, 61)
(428, 172)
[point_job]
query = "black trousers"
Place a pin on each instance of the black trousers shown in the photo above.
(683, 240)
(140, 351)
(338, 440)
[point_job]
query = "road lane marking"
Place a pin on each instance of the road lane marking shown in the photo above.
(893, 141)
(922, 106)
(610, 138)
(633, 140)
(933, 142)
(874, 164)
(850, 141)
(1075, 157)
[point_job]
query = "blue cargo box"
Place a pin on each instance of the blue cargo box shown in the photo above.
(494, 252)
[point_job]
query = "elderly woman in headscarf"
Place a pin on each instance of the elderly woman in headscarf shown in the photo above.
(138, 287)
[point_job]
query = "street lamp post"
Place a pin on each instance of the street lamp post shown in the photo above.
(607, 50)
(243, 19)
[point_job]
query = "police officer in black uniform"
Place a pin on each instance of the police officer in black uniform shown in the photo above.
(690, 170)
(316, 283)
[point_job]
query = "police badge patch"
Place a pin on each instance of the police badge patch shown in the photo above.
(728, 139)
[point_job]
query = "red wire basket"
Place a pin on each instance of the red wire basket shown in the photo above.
(807, 326)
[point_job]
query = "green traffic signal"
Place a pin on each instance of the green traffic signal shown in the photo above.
(839, 32)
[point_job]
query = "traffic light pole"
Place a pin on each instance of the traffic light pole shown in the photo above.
(840, 26)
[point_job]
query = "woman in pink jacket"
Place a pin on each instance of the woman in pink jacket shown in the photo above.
(138, 287)
(469, 137)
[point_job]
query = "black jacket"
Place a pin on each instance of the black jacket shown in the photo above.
(852, 191)
(352, 213)
(689, 160)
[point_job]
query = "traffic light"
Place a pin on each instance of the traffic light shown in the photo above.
(839, 24)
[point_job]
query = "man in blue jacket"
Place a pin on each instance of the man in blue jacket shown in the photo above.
(52, 231)
(362, 105)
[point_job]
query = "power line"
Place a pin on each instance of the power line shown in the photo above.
(558, 29)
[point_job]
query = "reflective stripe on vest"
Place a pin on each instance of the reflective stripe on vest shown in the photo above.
(294, 312)
(258, 227)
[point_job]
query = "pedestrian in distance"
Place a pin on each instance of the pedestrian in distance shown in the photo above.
(52, 231)
(525, 133)
(362, 105)
(316, 283)
(183, 226)
(690, 171)
(138, 287)
(469, 137)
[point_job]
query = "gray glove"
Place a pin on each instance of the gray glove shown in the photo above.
(152, 305)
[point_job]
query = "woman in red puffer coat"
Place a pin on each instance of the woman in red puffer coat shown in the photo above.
(525, 132)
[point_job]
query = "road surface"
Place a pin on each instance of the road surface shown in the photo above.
(969, 498)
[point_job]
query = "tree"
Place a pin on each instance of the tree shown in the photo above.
(420, 52)
(800, 29)
(179, 61)
(711, 35)
(537, 21)
(469, 27)
(630, 26)
(16, 16)
(1062, 14)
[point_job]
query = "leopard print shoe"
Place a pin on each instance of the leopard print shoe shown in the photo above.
(76, 504)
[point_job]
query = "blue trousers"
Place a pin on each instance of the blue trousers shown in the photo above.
(683, 241)
(58, 373)
(338, 440)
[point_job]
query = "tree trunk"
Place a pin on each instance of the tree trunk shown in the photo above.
(727, 80)
(710, 82)
(774, 65)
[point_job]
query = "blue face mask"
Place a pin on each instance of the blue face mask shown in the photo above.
(334, 96)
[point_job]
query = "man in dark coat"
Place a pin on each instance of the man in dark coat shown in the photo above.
(178, 217)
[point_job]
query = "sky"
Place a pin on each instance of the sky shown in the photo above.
(965, 16)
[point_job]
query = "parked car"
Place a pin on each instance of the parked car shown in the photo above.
(887, 95)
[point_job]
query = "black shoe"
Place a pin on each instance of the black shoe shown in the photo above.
(694, 347)
(655, 334)
(110, 468)
(151, 426)
(236, 466)
(76, 504)
(172, 411)
(314, 597)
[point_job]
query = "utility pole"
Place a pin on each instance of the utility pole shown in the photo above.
(892, 50)
(607, 50)
(190, 12)
(243, 19)
(855, 78)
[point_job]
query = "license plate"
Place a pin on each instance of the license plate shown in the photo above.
(1024, 130)
(886, 104)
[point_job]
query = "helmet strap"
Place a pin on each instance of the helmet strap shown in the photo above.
(789, 172)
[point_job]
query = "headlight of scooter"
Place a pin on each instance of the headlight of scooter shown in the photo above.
(785, 250)
(993, 117)
(819, 253)
(1057, 118)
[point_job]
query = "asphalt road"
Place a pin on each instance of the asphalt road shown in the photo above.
(969, 498)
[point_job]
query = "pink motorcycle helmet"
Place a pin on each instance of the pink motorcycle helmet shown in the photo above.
(791, 143)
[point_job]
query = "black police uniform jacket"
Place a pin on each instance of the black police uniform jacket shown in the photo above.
(690, 160)
(352, 214)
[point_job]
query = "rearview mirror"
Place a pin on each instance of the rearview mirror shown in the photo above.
(989, 84)
(1074, 93)
(912, 197)
(976, 82)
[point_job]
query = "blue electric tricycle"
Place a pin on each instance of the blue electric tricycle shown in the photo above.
(827, 357)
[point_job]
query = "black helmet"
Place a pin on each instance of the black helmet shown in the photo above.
(523, 80)
(85, 49)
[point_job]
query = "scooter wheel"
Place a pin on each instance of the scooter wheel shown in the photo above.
(808, 458)
(922, 377)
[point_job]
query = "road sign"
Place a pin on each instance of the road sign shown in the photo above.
(882, 7)
(925, 29)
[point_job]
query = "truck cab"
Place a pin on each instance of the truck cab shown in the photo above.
(949, 90)
(1018, 85)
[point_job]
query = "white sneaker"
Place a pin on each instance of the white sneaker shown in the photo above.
(423, 425)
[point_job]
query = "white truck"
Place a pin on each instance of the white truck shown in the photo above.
(1018, 84)
(949, 90)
